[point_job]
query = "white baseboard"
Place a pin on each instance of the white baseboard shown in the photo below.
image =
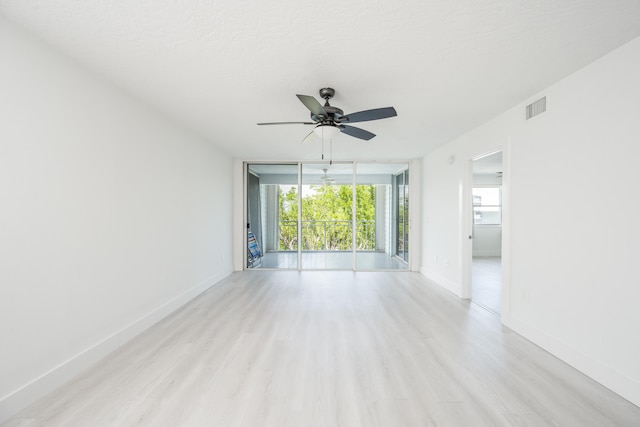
(19, 399)
(442, 281)
(487, 253)
(615, 381)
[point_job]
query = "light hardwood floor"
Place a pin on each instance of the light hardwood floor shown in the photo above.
(331, 260)
(486, 280)
(268, 348)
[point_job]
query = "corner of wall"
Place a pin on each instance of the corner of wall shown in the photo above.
(621, 384)
(442, 281)
(239, 229)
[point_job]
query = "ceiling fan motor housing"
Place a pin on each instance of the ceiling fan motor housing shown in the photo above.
(334, 114)
(327, 93)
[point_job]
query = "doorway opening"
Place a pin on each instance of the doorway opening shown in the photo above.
(487, 220)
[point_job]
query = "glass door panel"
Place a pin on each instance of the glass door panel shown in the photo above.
(405, 254)
(272, 216)
(327, 212)
(401, 214)
(375, 244)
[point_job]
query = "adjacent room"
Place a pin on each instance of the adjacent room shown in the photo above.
(486, 276)
(245, 213)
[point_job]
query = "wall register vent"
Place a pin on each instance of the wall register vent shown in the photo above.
(535, 108)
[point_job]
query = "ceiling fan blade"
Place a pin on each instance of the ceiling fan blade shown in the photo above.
(367, 115)
(309, 137)
(313, 105)
(288, 123)
(356, 132)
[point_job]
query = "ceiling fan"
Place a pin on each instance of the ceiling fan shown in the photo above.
(330, 120)
(326, 179)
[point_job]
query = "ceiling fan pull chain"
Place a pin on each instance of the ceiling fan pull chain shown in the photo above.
(330, 152)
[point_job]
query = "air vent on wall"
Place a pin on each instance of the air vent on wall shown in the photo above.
(535, 108)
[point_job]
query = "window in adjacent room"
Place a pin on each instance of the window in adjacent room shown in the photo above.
(487, 206)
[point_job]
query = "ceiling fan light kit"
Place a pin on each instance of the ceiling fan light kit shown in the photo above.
(330, 120)
(326, 131)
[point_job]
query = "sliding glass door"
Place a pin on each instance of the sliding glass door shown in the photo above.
(321, 216)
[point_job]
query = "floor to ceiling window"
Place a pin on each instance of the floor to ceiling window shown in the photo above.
(321, 216)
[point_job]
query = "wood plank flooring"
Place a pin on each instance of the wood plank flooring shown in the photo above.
(268, 348)
(331, 260)
(486, 288)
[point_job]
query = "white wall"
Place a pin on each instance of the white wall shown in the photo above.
(487, 240)
(574, 286)
(111, 217)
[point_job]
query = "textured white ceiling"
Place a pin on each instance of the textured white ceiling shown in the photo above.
(221, 66)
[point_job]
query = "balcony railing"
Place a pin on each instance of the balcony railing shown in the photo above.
(327, 235)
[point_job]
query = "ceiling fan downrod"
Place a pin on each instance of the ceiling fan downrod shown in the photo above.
(327, 93)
